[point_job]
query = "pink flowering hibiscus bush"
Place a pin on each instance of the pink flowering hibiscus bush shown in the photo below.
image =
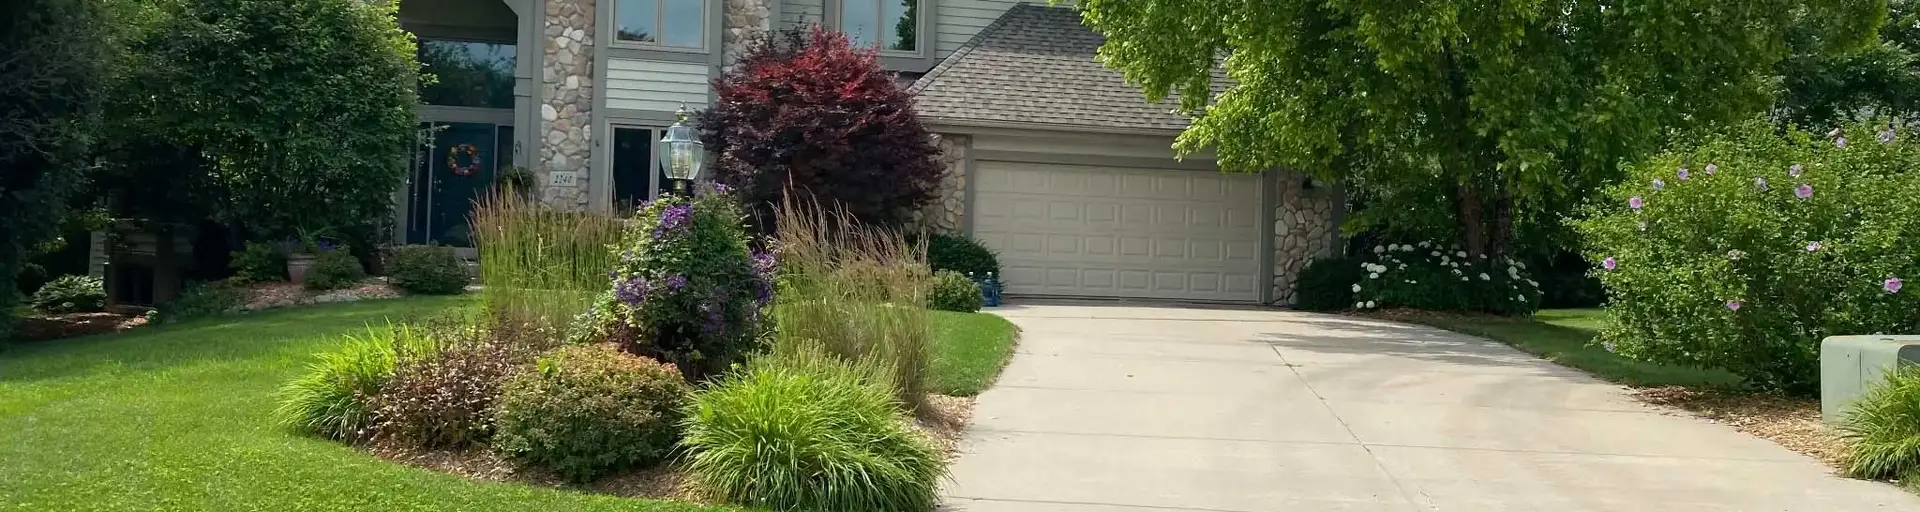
(686, 288)
(1746, 250)
(1436, 277)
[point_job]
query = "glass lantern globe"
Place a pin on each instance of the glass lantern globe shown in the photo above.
(682, 155)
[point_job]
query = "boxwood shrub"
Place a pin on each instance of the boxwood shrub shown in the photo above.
(589, 410)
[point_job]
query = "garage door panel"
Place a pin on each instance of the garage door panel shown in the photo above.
(1123, 232)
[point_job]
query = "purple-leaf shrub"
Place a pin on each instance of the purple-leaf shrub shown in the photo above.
(1732, 273)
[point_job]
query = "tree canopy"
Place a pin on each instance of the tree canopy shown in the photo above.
(1487, 109)
(1821, 90)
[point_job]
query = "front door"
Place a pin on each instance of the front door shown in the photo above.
(458, 169)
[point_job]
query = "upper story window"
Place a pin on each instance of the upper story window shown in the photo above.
(892, 25)
(670, 23)
(467, 74)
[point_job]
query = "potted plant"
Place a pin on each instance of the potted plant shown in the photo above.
(302, 254)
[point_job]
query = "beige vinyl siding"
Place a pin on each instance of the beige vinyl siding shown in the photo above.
(801, 13)
(959, 20)
(655, 85)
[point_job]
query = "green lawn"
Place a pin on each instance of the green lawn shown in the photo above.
(1564, 335)
(177, 418)
(969, 351)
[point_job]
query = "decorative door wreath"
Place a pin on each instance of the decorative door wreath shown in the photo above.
(473, 159)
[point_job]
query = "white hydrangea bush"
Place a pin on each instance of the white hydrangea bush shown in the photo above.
(1433, 276)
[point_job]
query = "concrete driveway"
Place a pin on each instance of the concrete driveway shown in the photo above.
(1140, 409)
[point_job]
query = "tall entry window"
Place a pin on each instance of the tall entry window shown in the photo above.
(890, 24)
(467, 73)
(669, 23)
(637, 176)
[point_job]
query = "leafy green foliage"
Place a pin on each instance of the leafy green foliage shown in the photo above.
(961, 254)
(1490, 115)
(333, 270)
(334, 398)
(1326, 284)
(57, 52)
(954, 292)
(1823, 89)
(428, 270)
(70, 294)
(1430, 277)
(272, 117)
(1789, 239)
(686, 289)
(855, 289)
(445, 397)
(806, 430)
(1884, 427)
(259, 262)
(589, 410)
(200, 300)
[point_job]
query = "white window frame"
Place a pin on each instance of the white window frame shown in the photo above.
(654, 133)
(920, 58)
(659, 20)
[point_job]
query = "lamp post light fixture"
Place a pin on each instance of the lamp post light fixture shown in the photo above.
(682, 155)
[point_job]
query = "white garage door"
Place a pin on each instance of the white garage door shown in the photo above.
(1082, 231)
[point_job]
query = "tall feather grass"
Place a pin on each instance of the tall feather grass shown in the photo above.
(1883, 426)
(334, 399)
(804, 429)
(539, 264)
(857, 290)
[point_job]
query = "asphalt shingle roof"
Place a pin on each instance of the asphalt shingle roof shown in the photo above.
(1035, 65)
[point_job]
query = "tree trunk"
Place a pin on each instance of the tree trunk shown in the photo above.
(1471, 211)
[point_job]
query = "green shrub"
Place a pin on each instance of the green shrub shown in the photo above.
(589, 410)
(1326, 284)
(333, 270)
(687, 290)
(961, 254)
(856, 289)
(805, 430)
(70, 294)
(1883, 428)
(334, 398)
(200, 300)
(1768, 244)
(1430, 277)
(259, 262)
(954, 292)
(428, 270)
(446, 397)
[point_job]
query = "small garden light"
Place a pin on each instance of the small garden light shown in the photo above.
(683, 154)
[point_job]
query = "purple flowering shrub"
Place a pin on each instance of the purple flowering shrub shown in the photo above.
(1433, 276)
(1791, 239)
(686, 288)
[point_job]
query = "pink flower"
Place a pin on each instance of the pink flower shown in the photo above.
(1636, 202)
(1795, 170)
(1892, 285)
(1659, 185)
(1813, 246)
(1683, 174)
(1733, 305)
(1803, 191)
(1712, 169)
(1760, 182)
(1609, 263)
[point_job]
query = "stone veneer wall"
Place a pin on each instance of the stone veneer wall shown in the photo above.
(744, 18)
(566, 95)
(948, 210)
(1303, 230)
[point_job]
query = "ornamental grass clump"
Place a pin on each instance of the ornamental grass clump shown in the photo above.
(857, 289)
(685, 287)
(804, 429)
(1792, 238)
(1883, 429)
(1429, 275)
(334, 399)
(540, 264)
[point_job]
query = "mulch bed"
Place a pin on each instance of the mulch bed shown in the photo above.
(1793, 423)
(283, 294)
(50, 327)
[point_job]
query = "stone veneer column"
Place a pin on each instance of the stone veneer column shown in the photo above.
(566, 96)
(948, 210)
(1303, 230)
(744, 18)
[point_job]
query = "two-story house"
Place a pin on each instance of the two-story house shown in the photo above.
(1055, 161)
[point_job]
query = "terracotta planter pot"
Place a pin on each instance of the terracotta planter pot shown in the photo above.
(297, 265)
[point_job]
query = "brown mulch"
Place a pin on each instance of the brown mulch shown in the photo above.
(52, 327)
(1793, 423)
(282, 294)
(943, 418)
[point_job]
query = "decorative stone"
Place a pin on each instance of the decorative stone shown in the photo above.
(946, 213)
(548, 114)
(566, 100)
(1303, 231)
